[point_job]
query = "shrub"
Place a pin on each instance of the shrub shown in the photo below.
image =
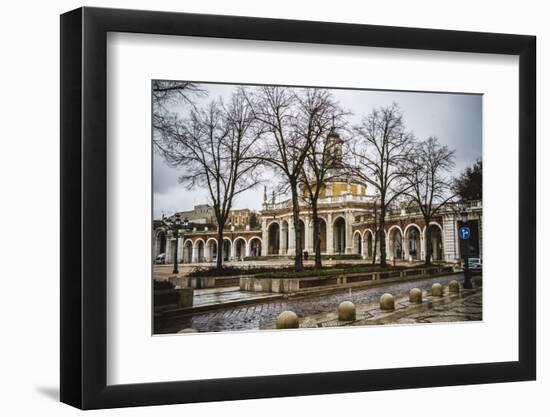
(288, 272)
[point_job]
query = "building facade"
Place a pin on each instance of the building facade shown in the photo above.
(347, 215)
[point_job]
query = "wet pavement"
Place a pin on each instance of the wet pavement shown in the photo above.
(215, 296)
(262, 314)
(467, 308)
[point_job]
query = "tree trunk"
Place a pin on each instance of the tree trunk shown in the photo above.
(219, 251)
(298, 262)
(428, 243)
(316, 234)
(382, 234)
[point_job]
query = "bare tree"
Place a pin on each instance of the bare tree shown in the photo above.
(381, 147)
(290, 121)
(215, 147)
(167, 96)
(321, 117)
(429, 184)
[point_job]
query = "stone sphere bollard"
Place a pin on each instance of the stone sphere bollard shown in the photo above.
(437, 290)
(415, 296)
(346, 311)
(454, 287)
(387, 302)
(188, 330)
(287, 320)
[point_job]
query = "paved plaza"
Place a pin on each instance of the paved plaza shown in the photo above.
(262, 313)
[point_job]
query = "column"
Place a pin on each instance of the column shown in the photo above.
(207, 255)
(195, 254)
(405, 246)
(283, 238)
(349, 231)
(180, 249)
(265, 238)
(308, 234)
(330, 235)
(169, 251)
(155, 247)
(291, 238)
(389, 254)
(389, 249)
(247, 248)
(233, 251)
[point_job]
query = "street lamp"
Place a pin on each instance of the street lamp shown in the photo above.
(175, 225)
(465, 248)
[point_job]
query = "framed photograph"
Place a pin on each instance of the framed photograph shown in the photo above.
(261, 208)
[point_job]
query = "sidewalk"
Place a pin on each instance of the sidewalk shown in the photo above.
(465, 306)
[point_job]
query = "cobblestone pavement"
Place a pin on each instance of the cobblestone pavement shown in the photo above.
(257, 315)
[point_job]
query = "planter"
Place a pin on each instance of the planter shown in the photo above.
(182, 297)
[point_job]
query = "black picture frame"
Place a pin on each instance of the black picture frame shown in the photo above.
(84, 207)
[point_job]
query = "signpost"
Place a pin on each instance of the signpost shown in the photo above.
(464, 233)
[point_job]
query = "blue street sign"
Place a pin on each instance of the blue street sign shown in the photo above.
(464, 233)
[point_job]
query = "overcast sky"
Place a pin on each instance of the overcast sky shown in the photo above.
(455, 119)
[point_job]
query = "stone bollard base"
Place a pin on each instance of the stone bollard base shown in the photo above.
(387, 302)
(287, 320)
(346, 311)
(437, 290)
(415, 296)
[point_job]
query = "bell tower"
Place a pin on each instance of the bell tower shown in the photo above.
(334, 149)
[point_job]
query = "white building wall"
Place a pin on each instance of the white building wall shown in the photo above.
(450, 239)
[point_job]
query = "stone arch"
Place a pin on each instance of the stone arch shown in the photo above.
(254, 246)
(273, 238)
(395, 242)
(412, 239)
(368, 239)
(302, 234)
(160, 243)
(239, 248)
(435, 245)
(211, 251)
(226, 249)
(188, 251)
(339, 235)
(322, 234)
(198, 250)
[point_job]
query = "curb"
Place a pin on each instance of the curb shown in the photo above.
(302, 294)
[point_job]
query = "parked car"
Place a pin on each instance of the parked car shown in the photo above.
(160, 259)
(474, 264)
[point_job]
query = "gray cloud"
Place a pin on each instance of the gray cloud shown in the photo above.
(455, 119)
